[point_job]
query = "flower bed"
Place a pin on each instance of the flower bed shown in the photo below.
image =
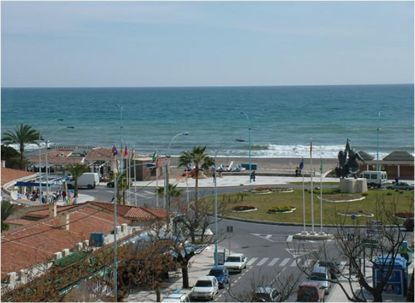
(262, 190)
(244, 208)
(282, 209)
(358, 213)
(342, 198)
(404, 215)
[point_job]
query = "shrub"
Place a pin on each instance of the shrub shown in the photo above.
(365, 194)
(404, 214)
(243, 207)
(278, 209)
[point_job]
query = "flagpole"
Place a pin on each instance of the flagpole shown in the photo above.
(135, 179)
(311, 186)
(303, 200)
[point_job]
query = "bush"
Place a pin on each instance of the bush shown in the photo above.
(243, 207)
(279, 209)
(405, 214)
(365, 194)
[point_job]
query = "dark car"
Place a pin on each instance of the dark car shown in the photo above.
(221, 273)
(310, 291)
(401, 186)
(266, 294)
(110, 184)
(334, 267)
(409, 224)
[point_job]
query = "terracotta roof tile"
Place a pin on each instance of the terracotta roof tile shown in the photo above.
(99, 153)
(8, 174)
(36, 243)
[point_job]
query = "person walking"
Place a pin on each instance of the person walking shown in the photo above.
(253, 176)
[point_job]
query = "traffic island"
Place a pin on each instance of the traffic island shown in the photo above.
(305, 235)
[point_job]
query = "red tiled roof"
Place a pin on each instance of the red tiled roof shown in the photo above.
(99, 153)
(18, 221)
(58, 157)
(43, 212)
(135, 212)
(36, 243)
(8, 174)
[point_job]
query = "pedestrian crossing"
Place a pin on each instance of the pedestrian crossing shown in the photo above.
(279, 262)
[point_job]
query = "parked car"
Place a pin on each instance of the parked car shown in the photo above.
(409, 224)
(333, 267)
(266, 294)
(110, 184)
(221, 273)
(236, 262)
(310, 291)
(206, 287)
(321, 275)
(401, 186)
(177, 297)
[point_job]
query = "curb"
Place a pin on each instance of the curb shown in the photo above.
(288, 223)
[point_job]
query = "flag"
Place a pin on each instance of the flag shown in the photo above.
(154, 157)
(301, 166)
(125, 152)
(321, 166)
(114, 150)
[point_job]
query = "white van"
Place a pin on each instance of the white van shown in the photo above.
(374, 178)
(86, 180)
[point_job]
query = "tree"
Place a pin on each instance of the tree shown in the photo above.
(379, 245)
(76, 170)
(174, 192)
(200, 160)
(23, 134)
(6, 210)
(10, 156)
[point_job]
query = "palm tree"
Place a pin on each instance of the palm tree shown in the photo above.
(76, 171)
(200, 160)
(6, 210)
(23, 134)
(173, 192)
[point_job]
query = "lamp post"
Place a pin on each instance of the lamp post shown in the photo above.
(377, 144)
(249, 142)
(166, 171)
(115, 211)
(216, 210)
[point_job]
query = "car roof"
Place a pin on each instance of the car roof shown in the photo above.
(203, 278)
(236, 255)
(175, 296)
(218, 267)
(309, 283)
(319, 269)
(264, 289)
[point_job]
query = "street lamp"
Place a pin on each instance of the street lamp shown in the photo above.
(377, 144)
(166, 170)
(249, 140)
(216, 210)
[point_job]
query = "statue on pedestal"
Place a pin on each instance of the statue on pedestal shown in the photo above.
(348, 165)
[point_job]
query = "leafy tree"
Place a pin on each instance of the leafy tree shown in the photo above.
(76, 171)
(10, 156)
(6, 210)
(23, 134)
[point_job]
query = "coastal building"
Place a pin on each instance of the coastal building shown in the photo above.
(9, 177)
(102, 161)
(55, 160)
(51, 233)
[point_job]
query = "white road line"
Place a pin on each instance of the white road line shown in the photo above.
(284, 262)
(308, 263)
(251, 261)
(272, 263)
(262, 262)
(149, 192)
(294, 263)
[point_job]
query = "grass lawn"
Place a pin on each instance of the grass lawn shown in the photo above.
(402, 199)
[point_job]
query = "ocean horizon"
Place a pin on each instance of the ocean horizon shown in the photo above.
(283, 119)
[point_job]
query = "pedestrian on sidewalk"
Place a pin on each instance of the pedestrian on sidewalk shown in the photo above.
(252, 178)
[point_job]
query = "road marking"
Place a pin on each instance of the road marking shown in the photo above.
(251, 261)
(290, 238)
(308, 263)
(285, 261)
(262, 262)
(272, 263)
(294, 263)
(149, 192)
(264, 236)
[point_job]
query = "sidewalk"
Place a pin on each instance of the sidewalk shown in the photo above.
(199, 266)
(81, 199)
(236, 180)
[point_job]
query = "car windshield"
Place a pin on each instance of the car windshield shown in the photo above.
(203, 283)
(233, 259)
(318, 276)
(216, 272)
(308, 294)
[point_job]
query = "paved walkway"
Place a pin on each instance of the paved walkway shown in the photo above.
(236, 180)
(199, 266)
(82, 198)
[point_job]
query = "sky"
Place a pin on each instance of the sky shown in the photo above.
(117, 44)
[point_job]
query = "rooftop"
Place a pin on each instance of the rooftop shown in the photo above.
(8, 175)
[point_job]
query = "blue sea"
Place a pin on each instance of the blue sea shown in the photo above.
(283, 119)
